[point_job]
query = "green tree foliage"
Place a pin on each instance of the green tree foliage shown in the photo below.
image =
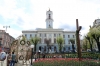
(60, 41)
(90, 39)
(47, 41)
(23, 38)
(85, 44)
(95, 33)
(72, 40)
(34, 40)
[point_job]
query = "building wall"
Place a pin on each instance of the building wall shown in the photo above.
(6, 39)
(50, 34)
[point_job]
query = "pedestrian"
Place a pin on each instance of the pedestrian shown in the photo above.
(8, 59)
(13, 59)
(2, 57)
(35, 56)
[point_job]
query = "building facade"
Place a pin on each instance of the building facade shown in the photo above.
(5, 40)
(51, 33)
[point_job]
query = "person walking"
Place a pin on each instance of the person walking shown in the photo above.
(2, 57)
(13, 59)
(8, 59)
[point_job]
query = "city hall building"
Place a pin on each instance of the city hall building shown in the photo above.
(50, 33)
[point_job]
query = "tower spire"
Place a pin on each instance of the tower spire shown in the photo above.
(49, 19)
(49, 9)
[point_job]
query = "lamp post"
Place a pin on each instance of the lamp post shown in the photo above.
(6, 27)
(3, 37)
(32, 46)
(39, 54)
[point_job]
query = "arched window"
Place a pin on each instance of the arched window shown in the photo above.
(45, 48)
(68, 48)
(55, 49)
(50, 47)
(40, 48)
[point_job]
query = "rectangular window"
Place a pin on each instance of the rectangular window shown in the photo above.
(30, 35)
(25, 35)
(45, 35)
(73, 36)
(54, 40)
(59, 34)
(40, 40)
(68, 36)
(68, 41)
(64, 41)
(54, 35)
(40, 34)
(63, 36)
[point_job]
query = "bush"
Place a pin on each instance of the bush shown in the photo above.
(65, 62)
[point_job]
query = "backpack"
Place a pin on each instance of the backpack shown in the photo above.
(2, 56)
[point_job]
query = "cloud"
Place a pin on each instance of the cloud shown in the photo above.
(20, 21)
(69, 27)
(31, 14)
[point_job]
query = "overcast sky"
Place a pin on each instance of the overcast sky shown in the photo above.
(30, 14)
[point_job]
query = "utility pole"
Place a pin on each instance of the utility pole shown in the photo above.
(78, 39)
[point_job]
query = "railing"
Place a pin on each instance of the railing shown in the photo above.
(70, 55)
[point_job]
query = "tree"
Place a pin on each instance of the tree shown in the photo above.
(90, 39)
(47, 41)
(23, 38)
(35, 41)
(72, 42)
(95, 33)
(85, 44)
(60, 41)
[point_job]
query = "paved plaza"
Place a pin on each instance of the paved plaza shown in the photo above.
(20, 63)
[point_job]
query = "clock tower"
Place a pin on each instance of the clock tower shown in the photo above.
(49, 19)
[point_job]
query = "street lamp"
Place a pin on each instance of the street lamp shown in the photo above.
(32, 46)
(6, 27)
(39, 53)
